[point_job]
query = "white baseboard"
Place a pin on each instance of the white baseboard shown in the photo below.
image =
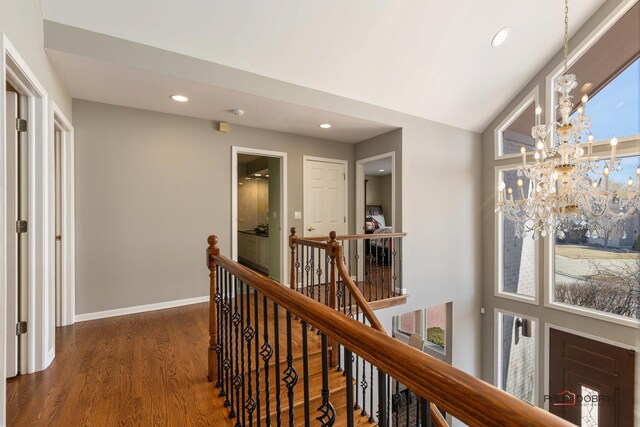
(139, 309)
(50, 356)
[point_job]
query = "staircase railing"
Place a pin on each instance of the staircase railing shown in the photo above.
(252, 323)
(371, 262)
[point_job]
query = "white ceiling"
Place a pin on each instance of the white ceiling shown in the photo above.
(376, 166)
(428, 58)
(110, 83)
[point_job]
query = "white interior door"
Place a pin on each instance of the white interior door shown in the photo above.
(11, 338)
(324, 197)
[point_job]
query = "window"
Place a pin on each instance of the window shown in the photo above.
(597, 265)
(517, 254)
(430, 323)
(436, 326)
(515, 131)
(517, 363)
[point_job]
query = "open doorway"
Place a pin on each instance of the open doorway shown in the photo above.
(259, 232)
(375, 194)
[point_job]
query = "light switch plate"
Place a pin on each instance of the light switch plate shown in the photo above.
(297, 215)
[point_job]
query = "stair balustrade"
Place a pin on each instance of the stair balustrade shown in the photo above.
(279, 356)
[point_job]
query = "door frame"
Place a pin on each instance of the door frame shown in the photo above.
(284, 215)
(40, 349)
(306, 158)
(360, 189)
(547, 337)
(68, 222)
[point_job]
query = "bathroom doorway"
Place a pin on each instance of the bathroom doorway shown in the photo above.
(259, 233)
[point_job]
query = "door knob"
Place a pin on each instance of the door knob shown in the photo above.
(310, 229)
(58, 237)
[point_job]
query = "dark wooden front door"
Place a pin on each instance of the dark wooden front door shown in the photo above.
(590, 383)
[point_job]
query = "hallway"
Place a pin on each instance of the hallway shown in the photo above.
(142, 369)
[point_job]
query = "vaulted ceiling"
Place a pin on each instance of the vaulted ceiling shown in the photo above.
(428, 58)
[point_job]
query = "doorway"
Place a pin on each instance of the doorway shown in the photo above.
(259, 213)
(376, 193)
(590, 382)
(325, 196)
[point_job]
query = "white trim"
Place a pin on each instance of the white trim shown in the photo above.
(3, 238)
(140, 309)
(40, 239)
(360, 190)
(284, 212)
(68, 242)
(547, 355)
(497, 347)
(580, 50)
(306, 158)
(498, 258)
(549, 274)
(533, 96)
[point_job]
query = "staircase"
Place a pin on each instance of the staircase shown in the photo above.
(268, 376)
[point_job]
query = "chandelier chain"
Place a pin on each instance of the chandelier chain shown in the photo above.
(566, 35)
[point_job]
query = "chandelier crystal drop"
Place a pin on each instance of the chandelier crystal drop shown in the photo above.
(566, 187)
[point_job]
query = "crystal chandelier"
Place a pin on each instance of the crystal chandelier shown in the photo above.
(566, 187)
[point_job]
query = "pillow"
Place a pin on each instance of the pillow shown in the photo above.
(379, 219)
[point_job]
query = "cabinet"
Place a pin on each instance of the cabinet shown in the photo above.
(254, 248)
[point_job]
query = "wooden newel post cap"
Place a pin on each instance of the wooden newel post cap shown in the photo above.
(332, 236)
(293, 231)
(213, 245)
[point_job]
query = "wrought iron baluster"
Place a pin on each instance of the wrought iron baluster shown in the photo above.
(297, 265)
(370, 272)
(364, 385)
(408, 404)
(257, 355)
(266, 351)
(327, 279)
(384, 265)
(371, 418)
(276, 335)
(237, 380)
(241, 402)
(226, 307)
(396, 403)
(305, 373)
(327, 412)
(249, 333)
(382, 399)
(319, 273)
(312, 273)
(348, 377)
(377, 268)
(394, 264)
(290, 374)
(218, 300)
(425, 412)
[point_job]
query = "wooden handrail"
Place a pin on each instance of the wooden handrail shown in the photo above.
(436, 417)
(356, 294)
(463, 396)
(352, 237)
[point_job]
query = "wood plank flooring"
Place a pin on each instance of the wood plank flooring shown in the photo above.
(147, 369)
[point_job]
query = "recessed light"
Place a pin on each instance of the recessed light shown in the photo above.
(247, 177)
(325, 125)
(586, 87)
(380, 170)
(267, 175)
(500, 37)
(257, 174)
(179, 98)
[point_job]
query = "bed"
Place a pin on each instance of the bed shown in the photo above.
(375, 223)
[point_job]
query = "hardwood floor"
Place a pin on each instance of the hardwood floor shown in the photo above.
(138, 370)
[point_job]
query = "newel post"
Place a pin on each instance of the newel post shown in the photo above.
(292, 246)
(212, 251)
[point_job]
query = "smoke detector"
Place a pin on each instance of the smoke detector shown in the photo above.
(238, 112)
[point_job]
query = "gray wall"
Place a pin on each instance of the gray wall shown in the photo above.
(150, 187)
(386, 143)
(598, 328)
